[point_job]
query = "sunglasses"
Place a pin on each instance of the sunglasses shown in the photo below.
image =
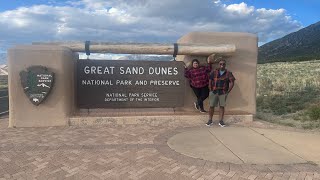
(222, 63)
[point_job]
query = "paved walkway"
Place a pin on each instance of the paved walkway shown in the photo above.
(130, 152)
(248, 145)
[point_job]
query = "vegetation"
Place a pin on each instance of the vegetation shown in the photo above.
(4, 100)
(289, 93)
(3, 81)
(3, 85)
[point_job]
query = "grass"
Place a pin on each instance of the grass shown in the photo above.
(3, 86)
(4, 101)
(288, 93)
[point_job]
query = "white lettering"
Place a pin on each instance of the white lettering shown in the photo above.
(163, 70)
(141, 82)
(96, 82)
(86, 70)
(131, 70)
(93, 69)
(133, 94)
(123, 82)
(151, 70)
(121, 70)
(149, 94)
(175, 71)
(99, 70)
(164, 83)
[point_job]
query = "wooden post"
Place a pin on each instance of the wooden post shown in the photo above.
(145, 48)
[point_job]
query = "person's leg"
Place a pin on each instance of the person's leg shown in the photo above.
(197, 92)
(221, 113)
(213, 101)
(204, 94)
(222, 103)
(211, 112)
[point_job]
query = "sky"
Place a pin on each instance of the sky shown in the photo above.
(148, 21)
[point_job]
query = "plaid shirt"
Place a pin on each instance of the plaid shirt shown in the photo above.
(198, 76)
(220, 83)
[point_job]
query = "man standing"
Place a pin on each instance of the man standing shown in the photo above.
(221, 82)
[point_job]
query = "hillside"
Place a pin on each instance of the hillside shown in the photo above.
(302, 45)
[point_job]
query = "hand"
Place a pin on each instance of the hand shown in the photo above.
(184, 64)
(228, 93)
(210, 59)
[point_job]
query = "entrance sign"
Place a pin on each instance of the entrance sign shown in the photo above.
(37, 82)
(130, 84)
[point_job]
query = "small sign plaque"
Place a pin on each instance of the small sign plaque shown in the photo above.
(37, 82)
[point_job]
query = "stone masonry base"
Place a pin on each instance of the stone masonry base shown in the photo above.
(155, 120)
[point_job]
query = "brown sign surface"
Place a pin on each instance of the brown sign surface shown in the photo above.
(129, 84)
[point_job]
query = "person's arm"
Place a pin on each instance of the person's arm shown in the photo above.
(231, 82)
(209, 66)
(186, 73)
(210, 81)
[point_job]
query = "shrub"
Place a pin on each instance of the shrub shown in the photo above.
(314, 112)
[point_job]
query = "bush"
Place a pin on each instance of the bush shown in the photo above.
(287, 102)
(285, 92)
(314, 113)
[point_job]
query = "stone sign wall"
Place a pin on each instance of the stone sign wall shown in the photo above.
(85, 86)
(115, 84)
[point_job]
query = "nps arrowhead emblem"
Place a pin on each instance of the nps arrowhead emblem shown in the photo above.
(37, 82)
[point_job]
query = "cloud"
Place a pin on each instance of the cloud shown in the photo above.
(241, 9)
(139, 21)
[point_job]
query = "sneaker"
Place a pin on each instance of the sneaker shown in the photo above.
(196, 106)
(203, 111)
(222, 124)
(209, 123)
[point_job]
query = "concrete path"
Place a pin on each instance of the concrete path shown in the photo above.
(242, 145)
(142, 152)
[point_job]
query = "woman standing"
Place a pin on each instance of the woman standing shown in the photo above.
(199, 80)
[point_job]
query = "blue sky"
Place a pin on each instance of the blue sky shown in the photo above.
(165, 21)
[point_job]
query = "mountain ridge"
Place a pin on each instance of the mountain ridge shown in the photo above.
(302, 45)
